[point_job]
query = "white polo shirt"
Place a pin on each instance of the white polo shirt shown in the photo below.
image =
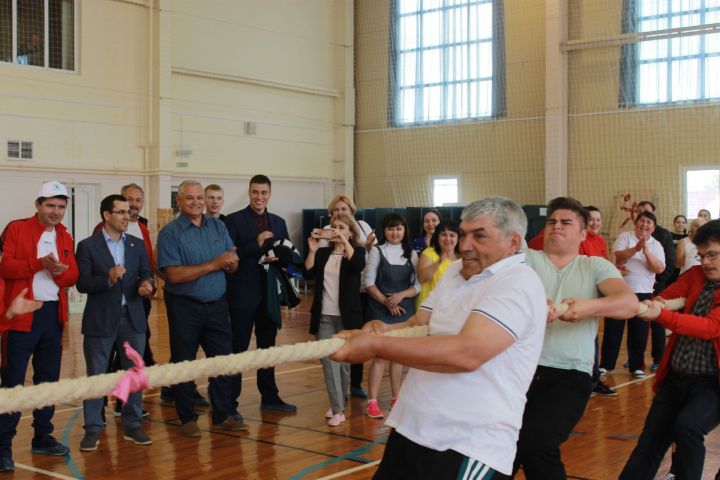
(477, 414)
(640, 279)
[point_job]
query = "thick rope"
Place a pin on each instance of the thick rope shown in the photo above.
(75, 390)
(674, 304)
(83, 388)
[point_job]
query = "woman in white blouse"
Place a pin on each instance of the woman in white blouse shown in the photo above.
(686, 250)
(392, 284)
(642, 257)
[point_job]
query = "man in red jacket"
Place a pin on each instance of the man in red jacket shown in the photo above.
(687, 404)
(37, 256)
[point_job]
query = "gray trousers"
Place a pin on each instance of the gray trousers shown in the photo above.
(337, 374)
(97, 354)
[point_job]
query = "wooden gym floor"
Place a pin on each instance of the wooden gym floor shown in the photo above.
(297, 446)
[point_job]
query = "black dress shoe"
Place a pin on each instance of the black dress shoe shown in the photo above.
(358, 392)
(278, 406)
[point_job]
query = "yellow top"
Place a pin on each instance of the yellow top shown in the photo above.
(427, 287)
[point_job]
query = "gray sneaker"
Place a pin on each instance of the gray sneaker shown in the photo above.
(89, 442)
(137, 436)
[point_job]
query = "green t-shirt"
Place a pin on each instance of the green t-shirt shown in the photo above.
(571, 346)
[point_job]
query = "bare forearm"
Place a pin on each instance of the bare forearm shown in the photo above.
(443, 354)
(427, 270)
(376, 294)
(622, 256)
(654, 264)
(620, 306)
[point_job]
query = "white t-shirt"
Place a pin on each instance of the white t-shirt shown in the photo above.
(690, 251)
(134, 230)
(640, 279)
(44, 287)
(478, 414)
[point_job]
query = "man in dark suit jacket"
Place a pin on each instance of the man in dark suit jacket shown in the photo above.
(115, 273)
(252, 230)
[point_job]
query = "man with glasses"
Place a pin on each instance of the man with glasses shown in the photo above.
(115, 273)
(687, 404)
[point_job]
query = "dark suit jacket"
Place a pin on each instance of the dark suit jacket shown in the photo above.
(662, 235)
(245, 286)
(103, 308)
(349, 299)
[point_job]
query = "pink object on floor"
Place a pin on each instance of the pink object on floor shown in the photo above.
(135, 378)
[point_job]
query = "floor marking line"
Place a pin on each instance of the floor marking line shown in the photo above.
(350, 470)
(66, 441)
(351, 455)
(44, 472)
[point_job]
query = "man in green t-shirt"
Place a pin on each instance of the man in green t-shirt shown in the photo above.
(561, 387)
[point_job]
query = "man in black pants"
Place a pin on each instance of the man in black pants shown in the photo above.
(252, 230)
(687, 404)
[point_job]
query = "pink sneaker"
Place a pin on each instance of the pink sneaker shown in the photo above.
(329, 413)
(373, 410)
(393, 401)
(336, 420)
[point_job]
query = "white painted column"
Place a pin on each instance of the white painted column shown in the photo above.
(556, 102)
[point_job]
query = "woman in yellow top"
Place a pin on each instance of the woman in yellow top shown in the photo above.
(435, 259)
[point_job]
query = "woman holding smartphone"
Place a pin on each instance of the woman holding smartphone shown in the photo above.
(336, 305)
(392, 284)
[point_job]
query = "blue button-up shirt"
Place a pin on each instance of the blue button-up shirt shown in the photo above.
(117, 250)
(182, 244)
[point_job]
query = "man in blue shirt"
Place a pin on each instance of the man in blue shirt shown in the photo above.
(195, 253)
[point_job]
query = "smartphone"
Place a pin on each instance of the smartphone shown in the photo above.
(322, 233)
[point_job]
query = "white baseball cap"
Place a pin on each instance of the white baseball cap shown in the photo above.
(53, 189)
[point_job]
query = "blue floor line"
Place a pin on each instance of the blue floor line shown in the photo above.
(74, 470)
(352, 455)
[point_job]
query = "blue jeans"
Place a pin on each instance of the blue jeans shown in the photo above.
(97, 354)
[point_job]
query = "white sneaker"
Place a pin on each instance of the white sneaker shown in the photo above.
(336, 420)
(669, 476)
(603, 371)
(638, 374)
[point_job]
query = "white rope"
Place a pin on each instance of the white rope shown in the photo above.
(75, 390)
(83, 388)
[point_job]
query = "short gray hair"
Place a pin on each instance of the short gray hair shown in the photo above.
(127, 187)
(508, 216)
(188, 183)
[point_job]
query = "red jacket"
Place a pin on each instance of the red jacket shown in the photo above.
(593, 246)
(689, 285)
(4, 322)
(19, 264)
(146, 239)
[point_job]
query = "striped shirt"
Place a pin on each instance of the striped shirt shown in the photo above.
(181, 243)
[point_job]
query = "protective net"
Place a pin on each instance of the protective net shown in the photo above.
(457, 89)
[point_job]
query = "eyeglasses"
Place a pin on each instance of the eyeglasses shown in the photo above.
(120, 212)
(708, 256)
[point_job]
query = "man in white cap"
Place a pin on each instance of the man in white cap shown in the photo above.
(37, 256)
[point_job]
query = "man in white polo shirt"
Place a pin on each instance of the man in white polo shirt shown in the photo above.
(559, 392)
(459, 410)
